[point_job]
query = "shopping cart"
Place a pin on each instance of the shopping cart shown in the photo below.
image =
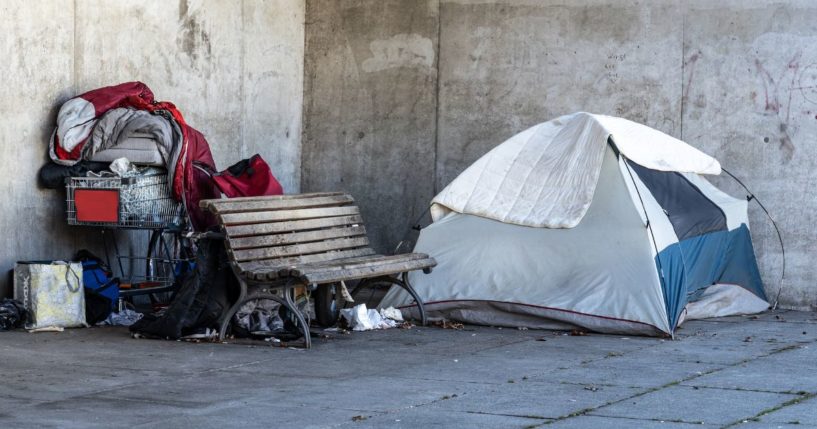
(140, 203)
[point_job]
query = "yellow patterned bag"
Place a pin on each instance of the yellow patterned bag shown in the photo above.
(52, 292)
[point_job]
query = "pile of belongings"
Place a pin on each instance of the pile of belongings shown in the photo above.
(125, 121)
(123, 130)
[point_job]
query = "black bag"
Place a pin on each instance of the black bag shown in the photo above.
(52, 176)
(97, 307)
(12, 314)
(204, 295)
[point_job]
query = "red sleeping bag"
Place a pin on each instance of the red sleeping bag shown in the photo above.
(247, 178)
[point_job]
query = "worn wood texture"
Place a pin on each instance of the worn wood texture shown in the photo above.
(291, 226)
(256, 204)
(215, 205)
(380, 269)
(268, 269)
(244, 218)
(313, 238)
(298, 249)
(295, 237)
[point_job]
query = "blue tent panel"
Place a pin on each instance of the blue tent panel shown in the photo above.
(692, 265)
(689, 211)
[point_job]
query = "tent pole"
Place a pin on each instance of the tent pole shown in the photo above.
(751, 197)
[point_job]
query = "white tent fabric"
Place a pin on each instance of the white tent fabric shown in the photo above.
(516, 275)
(546, 176)
(724, 300)
(587, 221)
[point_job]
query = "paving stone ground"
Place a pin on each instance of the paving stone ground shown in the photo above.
(736, 372)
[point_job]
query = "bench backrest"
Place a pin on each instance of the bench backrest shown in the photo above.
(290, 229)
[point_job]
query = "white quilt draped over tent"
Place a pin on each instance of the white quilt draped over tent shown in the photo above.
(546, 175)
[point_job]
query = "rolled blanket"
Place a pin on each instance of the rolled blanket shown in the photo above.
(140, 136)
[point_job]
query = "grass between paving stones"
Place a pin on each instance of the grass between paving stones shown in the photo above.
(585, 411)
(756, 418)
(588, 410)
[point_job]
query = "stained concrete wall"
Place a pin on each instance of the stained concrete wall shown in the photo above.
(750, 99)
(393, 123)
(235, 69)
(369, 113)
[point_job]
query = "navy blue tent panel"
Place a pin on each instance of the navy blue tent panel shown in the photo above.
(691, 265)
(689, 211)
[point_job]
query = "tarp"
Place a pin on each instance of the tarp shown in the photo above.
(546, 175)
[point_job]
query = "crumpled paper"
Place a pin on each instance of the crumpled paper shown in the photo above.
(362, 319)
(125, 317)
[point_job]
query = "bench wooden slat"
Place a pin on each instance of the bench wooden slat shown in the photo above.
(233, 206)
(298, 249)
(291, 240)
(214, 204)
(283, 215)
(237, 231)
(295, 238)
(268, 270)
(304, 271)
(283, 267)
(347, 261)
(382, 269)
(370, 261)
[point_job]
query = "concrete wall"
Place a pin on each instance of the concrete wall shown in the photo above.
(370, 109)
(235, 69)
(393, 122)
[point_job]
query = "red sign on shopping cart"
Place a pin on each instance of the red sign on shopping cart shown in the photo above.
(97, 205)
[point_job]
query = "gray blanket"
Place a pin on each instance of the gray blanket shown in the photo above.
(142, 137)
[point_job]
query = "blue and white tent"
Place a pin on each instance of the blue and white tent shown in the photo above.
(588, 221)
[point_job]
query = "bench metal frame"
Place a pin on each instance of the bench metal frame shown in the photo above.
(279, 243)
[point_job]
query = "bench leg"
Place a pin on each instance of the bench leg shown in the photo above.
(286, 301)
(290, 304)
(407, 286)
(404, 283)
(224, 323)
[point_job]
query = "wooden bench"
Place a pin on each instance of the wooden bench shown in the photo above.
(278, 243)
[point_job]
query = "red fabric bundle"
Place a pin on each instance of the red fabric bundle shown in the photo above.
(247, 178)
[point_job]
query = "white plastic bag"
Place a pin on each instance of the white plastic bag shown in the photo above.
(362, 319)
(52, 293)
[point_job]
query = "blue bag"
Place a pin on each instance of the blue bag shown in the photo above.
(98, 279)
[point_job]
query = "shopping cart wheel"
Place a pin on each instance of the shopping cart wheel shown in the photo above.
(168, 261)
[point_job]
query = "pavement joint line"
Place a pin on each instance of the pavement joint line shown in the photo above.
(539, 374)
(779, 407)
(184, 375)
(695, 422)
(229, 367)
(742, 389)
(405, 408)
(575, 383)
(485, 383)
(84, 394)
(524, 416)
(673, 383)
